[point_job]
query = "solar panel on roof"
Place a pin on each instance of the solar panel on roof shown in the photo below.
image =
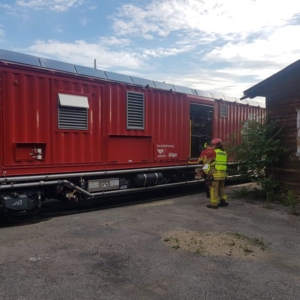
(19, 58)
(15, 57)
(218, 96)
(246, 102)
(203, 93)
(81, 70)
(183, 89)
(118, 77)
(57, 65)
(254, 103)
(164, 86)
(142, 81)
(231, 99)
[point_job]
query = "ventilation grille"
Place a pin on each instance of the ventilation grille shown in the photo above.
(135, 110)
(223, 111)
(72, 118)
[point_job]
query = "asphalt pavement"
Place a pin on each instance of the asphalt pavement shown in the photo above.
(134, 253)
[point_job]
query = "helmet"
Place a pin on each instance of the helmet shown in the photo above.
(217, 142)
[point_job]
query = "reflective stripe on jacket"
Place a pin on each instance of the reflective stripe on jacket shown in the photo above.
(206, 168)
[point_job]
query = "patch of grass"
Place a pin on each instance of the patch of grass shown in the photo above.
(254, 241)
(173, 239)
(247, 250)
(249, 193)
(200, 251)
(292, 201)
(269, 200)
(232, 244)
(260, 243)
(238, 236)
(230, 253)
(241, 192)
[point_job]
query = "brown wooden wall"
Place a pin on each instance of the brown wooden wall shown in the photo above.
(282, 102)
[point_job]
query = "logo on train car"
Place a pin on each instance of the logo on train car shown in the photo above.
(166, 151)
(161, 151)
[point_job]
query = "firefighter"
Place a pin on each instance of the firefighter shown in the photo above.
(205, 168)
(217, 160)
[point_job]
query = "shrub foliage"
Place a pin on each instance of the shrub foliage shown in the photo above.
(256, 147)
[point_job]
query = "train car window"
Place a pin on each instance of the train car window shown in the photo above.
(223, 111)
(72, 112)
(135, 110)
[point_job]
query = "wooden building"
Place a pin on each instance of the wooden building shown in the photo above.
(282, 92)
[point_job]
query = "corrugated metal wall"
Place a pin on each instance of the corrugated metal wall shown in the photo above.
(30, 123)
(236, 113)
(30, 104)
(77, 146)
(26, 113)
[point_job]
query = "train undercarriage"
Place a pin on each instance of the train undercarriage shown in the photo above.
(22, 198)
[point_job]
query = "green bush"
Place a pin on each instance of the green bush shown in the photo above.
(257, 147)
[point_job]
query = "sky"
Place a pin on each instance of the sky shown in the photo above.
(210, 45)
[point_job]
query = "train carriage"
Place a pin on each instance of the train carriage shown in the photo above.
(72, 132)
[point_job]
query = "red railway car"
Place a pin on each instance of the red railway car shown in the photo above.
(71, 132)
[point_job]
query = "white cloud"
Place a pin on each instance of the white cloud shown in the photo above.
(84, 54)
(114, 41)
(265, 55)
(214, 18)
(58, 28)
(7, 10)
(165, 52)
(221, 45)
(2, 33)
(5, 6)
(56, 5)
(83, 21)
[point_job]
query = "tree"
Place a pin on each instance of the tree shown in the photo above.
(256, 147)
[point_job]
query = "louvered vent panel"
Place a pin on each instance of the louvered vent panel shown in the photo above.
(223, 111)
(72, 118)
(135, 110)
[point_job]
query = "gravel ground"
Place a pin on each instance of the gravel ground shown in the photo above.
(171, 249)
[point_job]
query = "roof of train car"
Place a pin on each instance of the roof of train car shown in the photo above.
(45, 63)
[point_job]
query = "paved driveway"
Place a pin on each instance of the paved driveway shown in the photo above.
(171, 249)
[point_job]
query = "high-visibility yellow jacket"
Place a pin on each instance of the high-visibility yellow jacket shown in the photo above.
(218, 167)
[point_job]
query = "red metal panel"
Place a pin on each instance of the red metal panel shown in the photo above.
(77, 146)
(26, 110)
(236, 114)
(29, 99)
(166, 117)
(124, 149)
(30, 106)
(168, 120)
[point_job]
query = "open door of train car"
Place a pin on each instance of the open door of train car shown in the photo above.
(201, 127)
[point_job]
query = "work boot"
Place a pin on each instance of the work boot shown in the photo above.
(223, 203)
(211, 206)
